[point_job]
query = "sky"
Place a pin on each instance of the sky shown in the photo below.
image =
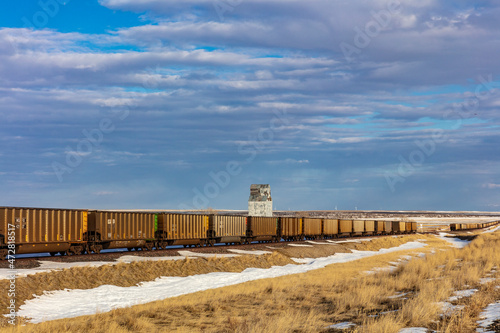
(161, 104)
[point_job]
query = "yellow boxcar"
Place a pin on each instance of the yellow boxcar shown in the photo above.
(262, 228)
(379, 227)
(183, 229)
(291, 228)
(227, 229)
(330, 228)
(37, 230)
(114, 229)
(369, 227)
(312, 228)
(345, 227)
(358, 227)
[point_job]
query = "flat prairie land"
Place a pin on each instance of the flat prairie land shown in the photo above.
(382, 293)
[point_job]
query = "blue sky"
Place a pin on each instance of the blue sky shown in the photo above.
(158, 104)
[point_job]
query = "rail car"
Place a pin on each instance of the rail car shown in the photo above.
(471, 226)
(73, 231)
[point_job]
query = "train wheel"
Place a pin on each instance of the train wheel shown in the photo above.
(61, 253)
(53, 254)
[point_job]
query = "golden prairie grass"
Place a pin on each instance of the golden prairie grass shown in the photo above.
(311, 301)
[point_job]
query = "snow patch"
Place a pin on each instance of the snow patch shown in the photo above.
(486, 280)
(456, 242)
(300, 245)
(447, 309)
(490, 314)
(461, 293)
(342, 326)
(254, 252)
(397, 295)
(413, 330)
(318, 243)
(48, 266)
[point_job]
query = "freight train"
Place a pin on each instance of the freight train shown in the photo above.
(72, 231)
(471, 226)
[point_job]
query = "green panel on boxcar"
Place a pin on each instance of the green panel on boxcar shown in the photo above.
(156, 222)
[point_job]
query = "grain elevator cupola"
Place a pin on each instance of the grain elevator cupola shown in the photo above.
(260, 202)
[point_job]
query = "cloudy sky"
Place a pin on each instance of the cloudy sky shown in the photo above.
(168, 104)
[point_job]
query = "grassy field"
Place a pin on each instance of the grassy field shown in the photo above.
(360, 292)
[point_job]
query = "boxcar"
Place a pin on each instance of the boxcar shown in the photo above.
(227, 229)
(398, 227)
(182, 229)
(262, 229)
(37, 230)
(312, 228)
(388, 227)
(369, 227)
(113, 229)
(330, 228)
(379, 227)
(345, 227)
(414, 227)
(358, 227)
(291, 228)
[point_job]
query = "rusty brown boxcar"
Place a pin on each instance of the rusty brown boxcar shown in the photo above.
(408, 227)
(398, 227)
(182, 229)
(369, 227)
(291, 228)
(330, 228)
(379, 227)
(358, 227)
(312, 228)
(227, 229)
(262, 229)
(345, 227)
(37, 230)
(114, 229)
(414, 227)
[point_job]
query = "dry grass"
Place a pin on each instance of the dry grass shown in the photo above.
(311, 301)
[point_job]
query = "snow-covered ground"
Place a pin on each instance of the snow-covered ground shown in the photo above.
(342, 326)
(47, 266)
(490, 314)
(413, 330)
(461, 294)
(456, 242)
(61, 304)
